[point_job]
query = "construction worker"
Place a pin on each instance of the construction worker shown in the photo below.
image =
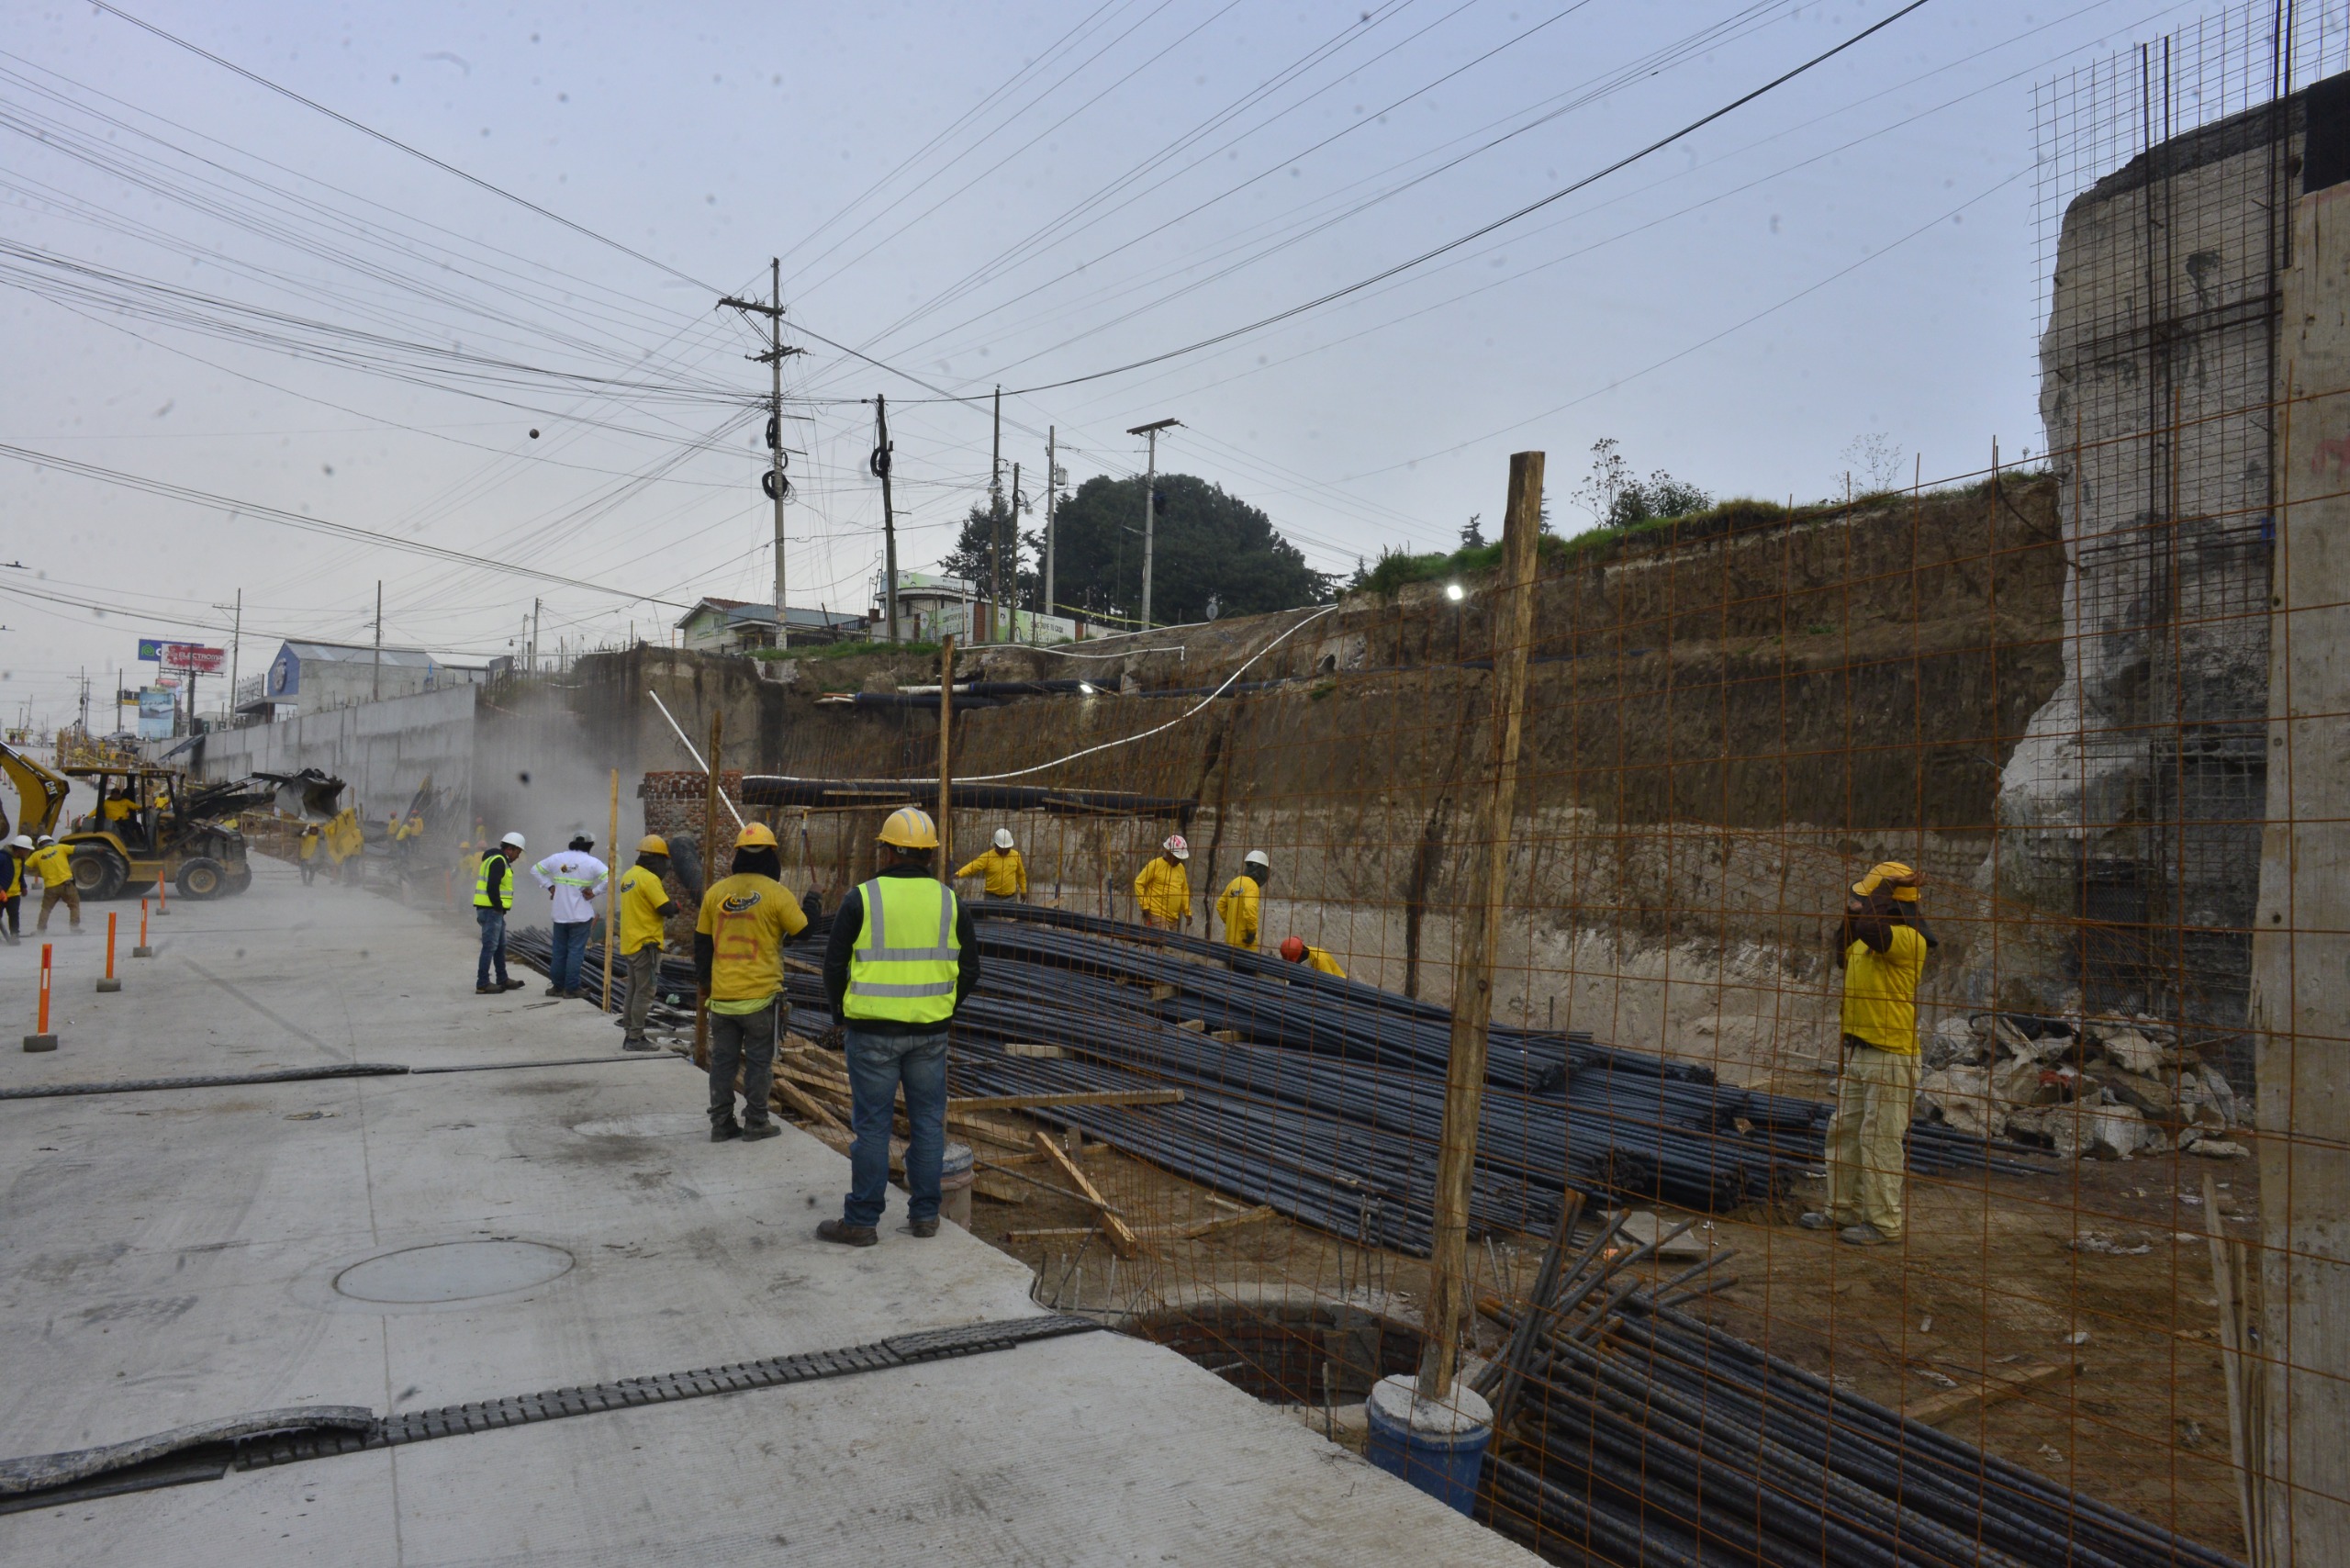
(1882, 950)
(572, 880)
(119, 807)
(12, 885)
(645, 906)
(1299, 951)
(1006, 873)
(738, 959)
(902, 958)
(53, 864)
(309, 852)
(1242, 900)
(1162, 888)
(492, 896)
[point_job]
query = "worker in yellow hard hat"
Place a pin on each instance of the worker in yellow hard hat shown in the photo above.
(645, 908)
(1162, 888)
(1242, 903)
(903, 956)
(1006, 873)
(1297, 950)
(747, 915)
(1882, 948)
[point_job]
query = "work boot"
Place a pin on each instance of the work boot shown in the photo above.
(1863, 1236)
(1815, 1220)
(925, 1228)
(556, 990)
(848, 1235)
(489, 991)
(725, 1131)
(753, 1131)
(639, 1044)
(509, 985)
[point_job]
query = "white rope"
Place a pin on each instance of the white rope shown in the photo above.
(1109, 746)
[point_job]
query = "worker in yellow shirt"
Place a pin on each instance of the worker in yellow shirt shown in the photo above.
(646, 907)
(1299, 951)
(53, 864)
(1006, 873)
(1242, 900)
(738, 959)
(308, 852)
(12, 885)
(1163, 889)
(1882, 950)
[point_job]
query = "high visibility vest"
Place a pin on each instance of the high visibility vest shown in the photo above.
(907, 984)
(481, 885)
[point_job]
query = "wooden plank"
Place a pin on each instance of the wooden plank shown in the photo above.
(1999, 1385)
(1121, 1238)
(1191, 1231)
(1046, 1101)
(799, 1100)
(1023, 1048)
(1193, 1026)
(1226, 1036)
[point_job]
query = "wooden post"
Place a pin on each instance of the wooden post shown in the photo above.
(945, 759)
(611, 890)
(1478, 930)
(709, 872)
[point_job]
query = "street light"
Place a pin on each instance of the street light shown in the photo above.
(1149, 505)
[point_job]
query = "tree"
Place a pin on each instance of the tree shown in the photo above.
(1873, 462)
(971, 560)
(1208, 545)
(1616, 499)
(1472, 536)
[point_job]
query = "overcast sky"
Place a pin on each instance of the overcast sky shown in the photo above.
(212, 287)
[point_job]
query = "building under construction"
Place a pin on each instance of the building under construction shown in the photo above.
(325, 1263)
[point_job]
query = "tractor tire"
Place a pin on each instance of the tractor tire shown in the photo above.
(202, 878)
(240, 878)
(98, 871)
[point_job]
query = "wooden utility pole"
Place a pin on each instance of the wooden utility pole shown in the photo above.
(611, 890)
(995, 523)
(1052, 491)
(773, 482)
(708, 872)
(1150, 506)
(946, 759)
(1011, 633)
(888, 519)
(1477, 933)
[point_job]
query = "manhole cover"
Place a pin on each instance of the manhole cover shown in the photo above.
(646, 1123)
(452, 1271)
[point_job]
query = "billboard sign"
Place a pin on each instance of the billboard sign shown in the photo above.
(151, 649)
(157, 709)
(194, 657)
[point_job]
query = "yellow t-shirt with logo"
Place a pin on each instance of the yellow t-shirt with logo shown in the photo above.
(1881, 992)
(54, 865)
(746, 918)
(642, 896)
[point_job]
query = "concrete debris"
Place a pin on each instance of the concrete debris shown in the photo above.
(1640, 1227)
(2132, 1246)
(2106, 1088)
(2212, 1148)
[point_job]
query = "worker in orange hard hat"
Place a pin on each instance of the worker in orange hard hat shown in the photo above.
(746, 918)
(1163, 889)
(1882, 949)
(1297, 950)
(646, 907)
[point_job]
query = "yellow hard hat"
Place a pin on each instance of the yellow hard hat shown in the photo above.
(754, 835)
(1890, 874)
(910, 827)
(652, 843)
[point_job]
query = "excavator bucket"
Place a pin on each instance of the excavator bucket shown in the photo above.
(312, 795)
(41, 793)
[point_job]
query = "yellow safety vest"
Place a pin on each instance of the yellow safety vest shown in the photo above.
(905, 984)
(481, 884)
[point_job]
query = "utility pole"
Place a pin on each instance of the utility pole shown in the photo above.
(889, 519)
(1052, 490)
(534, 636)
(773, 482)
(1150, 506)
(375, 685)
(1015, 630)
(995, 518)
(236, 653)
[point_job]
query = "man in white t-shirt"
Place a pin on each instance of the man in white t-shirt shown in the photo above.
(572, 879)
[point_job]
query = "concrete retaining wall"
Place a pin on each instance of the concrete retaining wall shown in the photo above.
(383, 751)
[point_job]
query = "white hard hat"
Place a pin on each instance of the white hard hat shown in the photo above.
(513, 839)
(1177, 847)
(46, 840)
(1257, 858)
(20, 842)
(1003, 838)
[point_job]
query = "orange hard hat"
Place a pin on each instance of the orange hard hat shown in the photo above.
(1293, 949)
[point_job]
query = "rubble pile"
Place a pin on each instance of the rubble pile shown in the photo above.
(2103, 1088)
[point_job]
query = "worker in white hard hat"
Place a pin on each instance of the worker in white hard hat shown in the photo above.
(492, 896)
(1163, 889)
(902, 958)
(1006, 873)
(53, 864)
(645, 908)
(12, 886)
(1242, 900)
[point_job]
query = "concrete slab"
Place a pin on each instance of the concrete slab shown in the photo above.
(171, 1256)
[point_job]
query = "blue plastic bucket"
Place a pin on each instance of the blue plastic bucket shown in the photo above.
(1438, 1445)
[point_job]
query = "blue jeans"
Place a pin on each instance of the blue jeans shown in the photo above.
(877, 1064)
(570, 946)
(493, 944)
